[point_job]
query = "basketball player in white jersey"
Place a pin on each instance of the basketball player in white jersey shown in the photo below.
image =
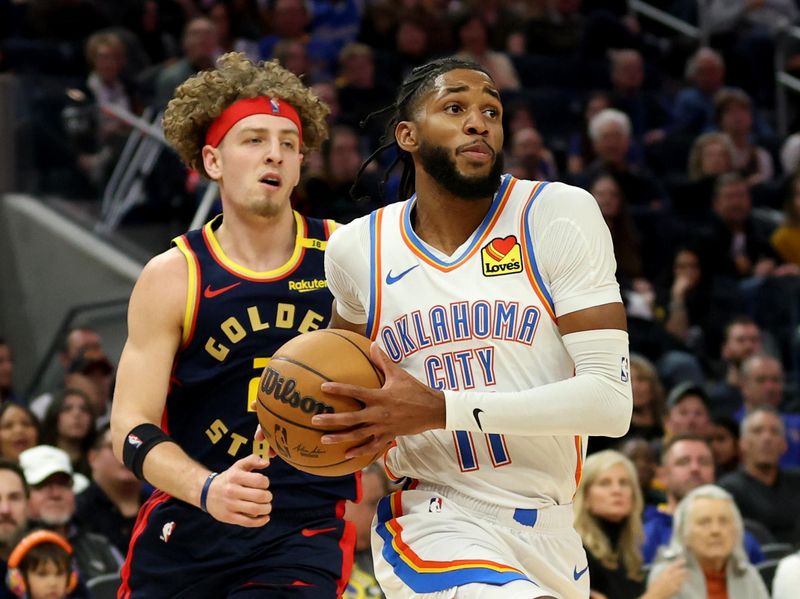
(500, 328)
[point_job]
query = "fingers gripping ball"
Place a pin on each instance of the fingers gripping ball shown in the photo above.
(289, 395)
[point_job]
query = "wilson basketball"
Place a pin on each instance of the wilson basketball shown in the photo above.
(289, 395)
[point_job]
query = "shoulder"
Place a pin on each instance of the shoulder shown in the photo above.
(562, 197)
(350, 237)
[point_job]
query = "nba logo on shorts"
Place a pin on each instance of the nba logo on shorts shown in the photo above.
(435, 504)
(276, 107)
(166, 531)
(624, 375)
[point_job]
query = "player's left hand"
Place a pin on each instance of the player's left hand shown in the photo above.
(403, 406)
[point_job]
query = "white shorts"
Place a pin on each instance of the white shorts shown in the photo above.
(436, 543)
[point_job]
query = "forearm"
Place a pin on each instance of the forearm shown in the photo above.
(168, 468)
(596, 401)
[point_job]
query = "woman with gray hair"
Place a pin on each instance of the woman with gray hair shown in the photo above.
(707, 533)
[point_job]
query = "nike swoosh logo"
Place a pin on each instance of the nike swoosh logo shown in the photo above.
(211, 293)
(577, 575)
(390, 280)
(476, 413)
(312, 532)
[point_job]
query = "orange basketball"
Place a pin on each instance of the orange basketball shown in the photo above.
(289, 395)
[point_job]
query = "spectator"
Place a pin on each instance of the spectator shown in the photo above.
(337, 22)
(745, 32)
(725, 445)
(7, 374)
(229, 31)
(693, 110)
(737, 245)
(711, 155)
(648, 400)
(610, 131)
(741, 339)
(643, 456)
(109, 505)
(764, 491)
(360, 92)
(52, 504)
(293, 56)
(341, 159)
(19, 430)
(787, 577)
(608, 509)
(374, 485)
(200, 47)
(649, 117)
(41, 567)
(290, 20)
(472, 34)
(614, 208)
(90, 372)
(14, 492)
(147, 20)
(686, 463)
(733, 112)
(69, 425)
(707, 537)
(762, 384)
(786, 238)
(530, 159)
(581, 149)
(688, 411)
(413, 43)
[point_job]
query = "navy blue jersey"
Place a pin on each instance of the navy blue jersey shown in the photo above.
(235, 320)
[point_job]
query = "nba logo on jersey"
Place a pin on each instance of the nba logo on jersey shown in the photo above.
(624, 374)
(501, 256)
(276, 107)
(166, 531)
(435, 505)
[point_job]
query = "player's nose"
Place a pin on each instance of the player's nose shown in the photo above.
(273, 152)
(475, 122)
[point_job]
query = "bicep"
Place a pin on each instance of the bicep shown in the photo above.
(154, 337)
(339, 322)
(606, 316)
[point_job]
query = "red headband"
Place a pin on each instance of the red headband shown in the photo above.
(247, 107)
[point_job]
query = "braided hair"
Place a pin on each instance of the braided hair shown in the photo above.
(416, 85)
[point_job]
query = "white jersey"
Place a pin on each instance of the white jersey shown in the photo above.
(484, 318)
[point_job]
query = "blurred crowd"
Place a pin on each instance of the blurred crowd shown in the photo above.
(676, 141)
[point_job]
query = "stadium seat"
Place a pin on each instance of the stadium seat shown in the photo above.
(767, 571)
(776, 550)
(104, 586)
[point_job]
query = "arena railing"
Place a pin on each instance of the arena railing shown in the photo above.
(125, 188)
(784, 81)
(675, 23)
(94, 314)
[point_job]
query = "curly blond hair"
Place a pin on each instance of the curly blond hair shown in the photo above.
(201, 99)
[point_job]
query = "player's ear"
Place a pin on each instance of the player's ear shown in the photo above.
(212, 162)
(406, 135)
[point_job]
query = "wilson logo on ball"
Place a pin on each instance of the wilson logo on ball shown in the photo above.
(283, 390)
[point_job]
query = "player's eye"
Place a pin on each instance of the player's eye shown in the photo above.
(492, 113)
(288, 145)
(452, 108)
(254, 140)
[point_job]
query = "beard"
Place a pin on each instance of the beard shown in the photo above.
(438, 164)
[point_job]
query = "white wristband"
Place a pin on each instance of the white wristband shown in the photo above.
(596, 401)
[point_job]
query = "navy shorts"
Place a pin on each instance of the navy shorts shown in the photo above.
(177, 551)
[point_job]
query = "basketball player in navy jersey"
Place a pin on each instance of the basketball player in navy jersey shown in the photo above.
(204, 318)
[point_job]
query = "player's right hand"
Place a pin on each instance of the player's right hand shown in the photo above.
(240, 496)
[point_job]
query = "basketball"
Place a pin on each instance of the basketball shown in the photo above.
(289, 395)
